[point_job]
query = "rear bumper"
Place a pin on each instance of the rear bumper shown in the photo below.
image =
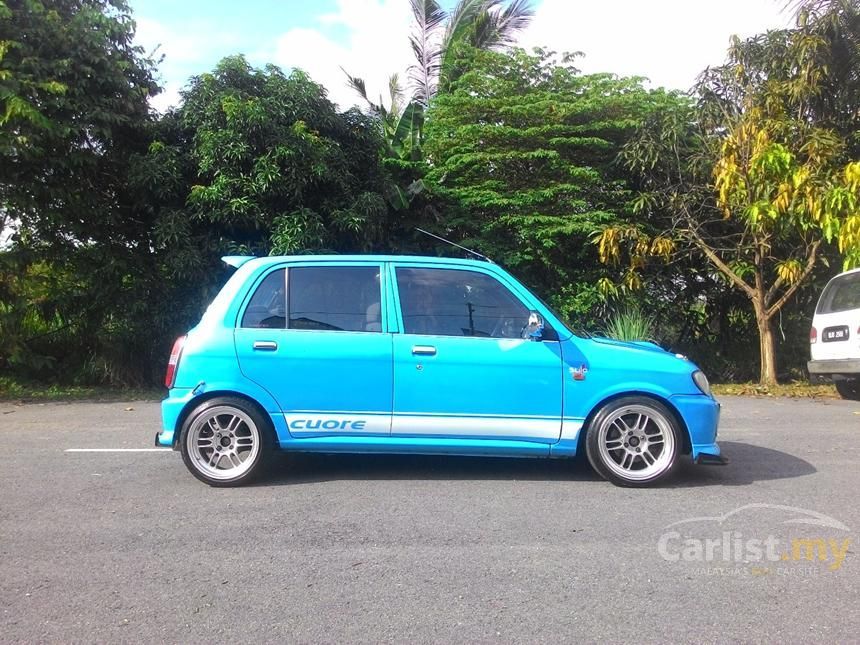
(171, 408)
(836, 367)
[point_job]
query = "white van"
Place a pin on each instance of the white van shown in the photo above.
(834, 339)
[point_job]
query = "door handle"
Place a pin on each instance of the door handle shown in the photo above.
(265, 345)
(423, 350)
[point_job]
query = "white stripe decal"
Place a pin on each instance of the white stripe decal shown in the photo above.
(316, 423)
(467, 426)
(432, 414)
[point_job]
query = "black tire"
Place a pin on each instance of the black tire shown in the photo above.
(252, 427)
(606, 426)
(849, 389)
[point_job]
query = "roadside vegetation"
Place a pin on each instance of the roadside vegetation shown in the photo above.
(715, 216)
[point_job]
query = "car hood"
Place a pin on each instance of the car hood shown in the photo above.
(634, 354)
(646, 345)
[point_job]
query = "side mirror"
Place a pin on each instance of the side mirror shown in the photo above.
(534, 327)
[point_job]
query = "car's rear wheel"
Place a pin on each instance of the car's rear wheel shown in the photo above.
(225, 442)
(634, 441)
(849, 389)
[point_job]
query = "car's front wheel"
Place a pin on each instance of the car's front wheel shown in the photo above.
(849, 389)
(225, 442)
(633, 441)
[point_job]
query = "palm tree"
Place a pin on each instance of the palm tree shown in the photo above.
(482, 24)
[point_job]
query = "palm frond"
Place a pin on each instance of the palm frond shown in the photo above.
(360, 88)
(515, 17)
(395, 93)
(462, 18)
(428, 16)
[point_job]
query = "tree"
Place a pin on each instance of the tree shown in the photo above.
(436, 39)
(758, 176)
(73, 104)
(522, 149)
(73, 113)
(278, 167)
(479, 24)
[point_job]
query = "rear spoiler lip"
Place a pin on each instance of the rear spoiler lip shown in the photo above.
(236, 261)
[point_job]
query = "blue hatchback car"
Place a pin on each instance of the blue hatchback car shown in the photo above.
(390, 354)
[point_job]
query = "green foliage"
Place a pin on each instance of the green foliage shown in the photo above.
(523, 149)
(73, 100)
(279, 168)
(758, 176)
(631, 323)
(120, 217)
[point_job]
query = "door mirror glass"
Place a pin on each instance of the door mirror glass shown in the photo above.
(534, 327)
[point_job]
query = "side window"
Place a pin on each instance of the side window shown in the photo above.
(450, 302)
(268, 306)
(335, 299)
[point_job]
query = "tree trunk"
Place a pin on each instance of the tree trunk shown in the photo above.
(767, 349)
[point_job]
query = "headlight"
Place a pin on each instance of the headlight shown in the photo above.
(701, 382)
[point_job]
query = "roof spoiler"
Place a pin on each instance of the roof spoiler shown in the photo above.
(236, 261)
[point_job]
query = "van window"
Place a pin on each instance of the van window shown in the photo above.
(450, 302)
(268, 306)
(335, 299)
(842, 294)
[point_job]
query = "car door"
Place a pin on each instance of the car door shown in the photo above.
(461, 368)
(315, 337)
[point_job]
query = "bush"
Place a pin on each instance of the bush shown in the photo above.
(631, 323)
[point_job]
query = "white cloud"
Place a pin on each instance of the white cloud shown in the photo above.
(187, 51)
(374, 46)
(668, 41)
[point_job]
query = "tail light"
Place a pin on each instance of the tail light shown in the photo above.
(813, 336)
(175, 353)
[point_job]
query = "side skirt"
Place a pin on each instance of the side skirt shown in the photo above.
(420, 445)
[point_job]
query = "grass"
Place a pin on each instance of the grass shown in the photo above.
(795, 389)
(630, 324)
(13, 390)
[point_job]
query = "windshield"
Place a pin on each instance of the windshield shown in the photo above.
(841, 294)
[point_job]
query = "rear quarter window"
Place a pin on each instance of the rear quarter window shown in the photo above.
(842, 294)
(268, 306)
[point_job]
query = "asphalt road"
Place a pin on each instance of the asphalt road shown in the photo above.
(128, 546)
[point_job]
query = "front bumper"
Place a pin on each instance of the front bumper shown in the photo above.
(701, 415)
(706, 459)
(835, 367)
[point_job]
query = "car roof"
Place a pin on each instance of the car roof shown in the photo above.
(430, 259)
(849, 272)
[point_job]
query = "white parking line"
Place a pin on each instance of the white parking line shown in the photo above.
(118, 450)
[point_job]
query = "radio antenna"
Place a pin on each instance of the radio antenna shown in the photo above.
(442, 239)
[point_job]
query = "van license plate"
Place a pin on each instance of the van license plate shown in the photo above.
(833, 334)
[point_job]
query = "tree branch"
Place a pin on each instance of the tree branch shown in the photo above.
(810, 264)
(768, 297)
(722, 266)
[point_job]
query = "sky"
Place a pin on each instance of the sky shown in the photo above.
(667, 41)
